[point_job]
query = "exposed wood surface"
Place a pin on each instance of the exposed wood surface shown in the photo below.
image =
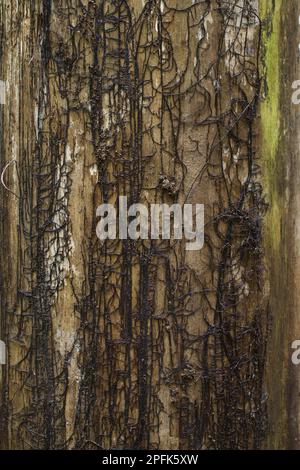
(139, 344)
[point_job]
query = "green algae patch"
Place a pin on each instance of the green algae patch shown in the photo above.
(270, 13)
(274, 185)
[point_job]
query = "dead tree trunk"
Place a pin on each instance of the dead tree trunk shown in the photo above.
(123, 343)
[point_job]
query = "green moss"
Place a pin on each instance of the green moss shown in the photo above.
(271, 124)
(270, 12)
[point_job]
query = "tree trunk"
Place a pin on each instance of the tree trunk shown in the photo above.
(142, 343)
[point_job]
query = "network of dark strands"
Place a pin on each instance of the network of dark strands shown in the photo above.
(192, 370)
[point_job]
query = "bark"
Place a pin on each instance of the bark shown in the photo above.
(135, 344)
